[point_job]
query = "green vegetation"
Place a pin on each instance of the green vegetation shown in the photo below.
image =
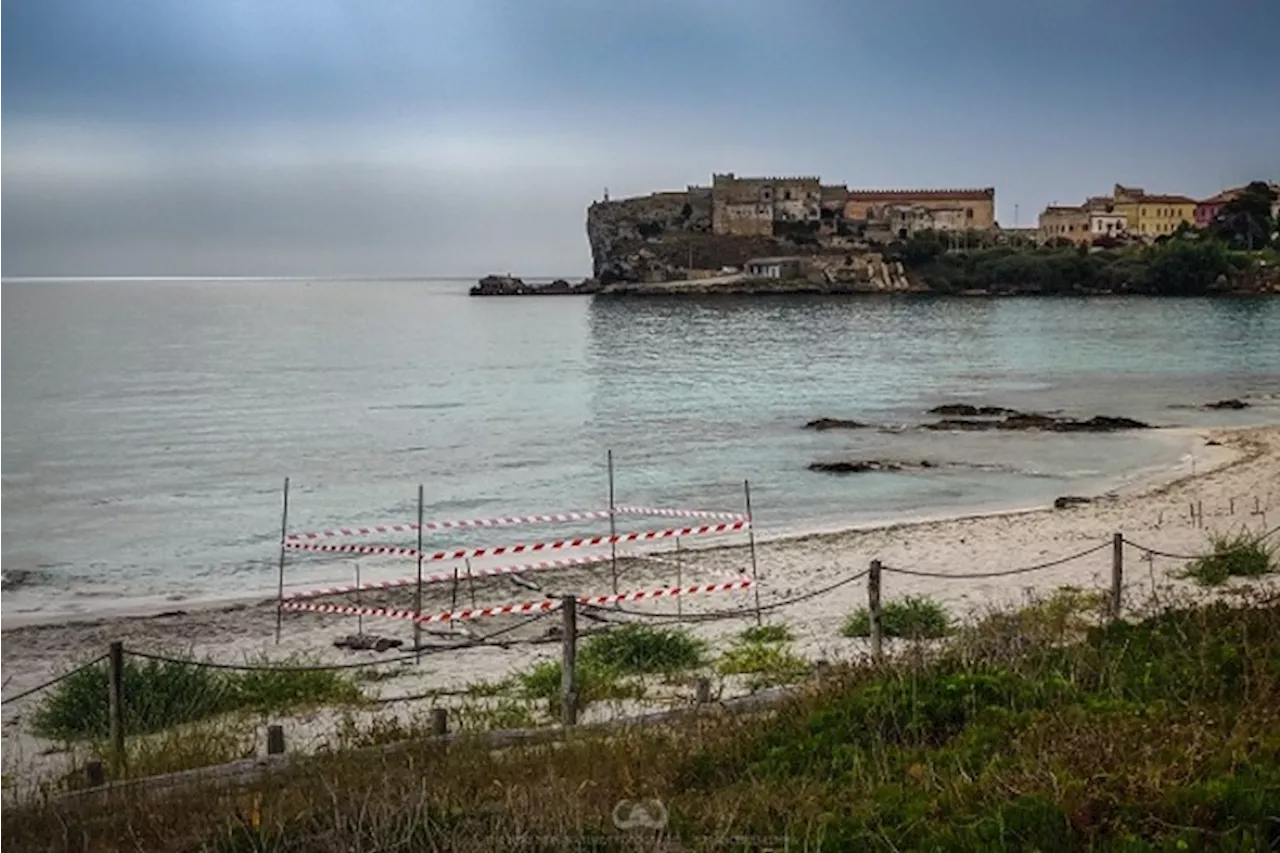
(766, 634)
(637, 649)
(912, 617)
(162, 694)
(766, 664)
(1156, 735)
(1240, 556)
(1181, 266)
(608, 662)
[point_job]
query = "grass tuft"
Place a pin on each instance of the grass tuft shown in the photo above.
(765, 664)
(637, 649)
(912, 617)
(1241, 555)
(161, 694)
(772, 633)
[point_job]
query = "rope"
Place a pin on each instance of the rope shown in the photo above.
(1226, 553)
(733, 614)
(334, 667)
(973, 575)
(24, 694)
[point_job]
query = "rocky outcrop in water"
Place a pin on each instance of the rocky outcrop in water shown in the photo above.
(863, 466)
(509, 285)
(1227, 404)
(824, 424)
(1037, 422)
(965, 410)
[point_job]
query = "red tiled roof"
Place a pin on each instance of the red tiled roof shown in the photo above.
(923, 195)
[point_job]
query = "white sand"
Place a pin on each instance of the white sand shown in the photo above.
(1243, 470)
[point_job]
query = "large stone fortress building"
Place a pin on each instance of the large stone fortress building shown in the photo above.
(752, 206)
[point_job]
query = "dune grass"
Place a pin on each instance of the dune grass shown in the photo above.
(1161, 734)
(1241, 555)
(163, 694)
(912, 617)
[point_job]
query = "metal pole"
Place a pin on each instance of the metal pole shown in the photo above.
(284, 532)
(679, 578)
(359, 602)
(751, 538)
(453, 601)
(613, 528)
(1117, 573)
(471, 582)
(417, 598)
(568, 658)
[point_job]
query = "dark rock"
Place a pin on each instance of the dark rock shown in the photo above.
(925, 463)
(1067, 501)
(1227, 404)
(822, 424)
(857, 466)
(1213, 442)
(1048, 423)
(506, 285)
(367, 642)
(965, 410)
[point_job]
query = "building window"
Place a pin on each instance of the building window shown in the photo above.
(968, 213)
(1144, 212)
(786, 195)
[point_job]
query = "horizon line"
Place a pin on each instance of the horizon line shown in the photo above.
(25, 279)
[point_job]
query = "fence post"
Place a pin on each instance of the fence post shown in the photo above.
(115, 703)
(702, 691)
(439, 721)
(93, 774)
(569, 654)
(875, 615)
(275, 740)
(1117, 575)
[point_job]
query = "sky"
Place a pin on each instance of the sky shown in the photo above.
(461, 137)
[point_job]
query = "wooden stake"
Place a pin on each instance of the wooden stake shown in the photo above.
(568, 658)
(115, 705)
(875, 615)
(275, 740)
(613, 527)
(1117, 574)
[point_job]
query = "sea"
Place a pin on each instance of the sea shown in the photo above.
(149, 425)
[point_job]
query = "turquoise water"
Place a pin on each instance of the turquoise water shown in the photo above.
(149, 424)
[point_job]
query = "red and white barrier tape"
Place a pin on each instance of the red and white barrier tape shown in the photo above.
(530, 548)
(509, 520)
(678, 513)
(445, 577)
(521, 608)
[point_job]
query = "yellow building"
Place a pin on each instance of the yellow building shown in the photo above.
(1150, 216)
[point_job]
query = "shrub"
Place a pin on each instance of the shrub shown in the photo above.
(542, 682)
(1240, 556)
(766, 634)
(162, 694)
(636, 649)
(768, 664)
(913, 617)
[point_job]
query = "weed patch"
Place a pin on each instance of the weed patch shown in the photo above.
(637, 649)
(1240, 556)
(772, 633)
(162, 694)
(766, 664)
(912, 617)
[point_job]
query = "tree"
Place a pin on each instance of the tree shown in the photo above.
(1245, 221)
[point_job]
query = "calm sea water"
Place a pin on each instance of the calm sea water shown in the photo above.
(148, 425)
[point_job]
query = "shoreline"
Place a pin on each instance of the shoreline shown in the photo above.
(1130, 484)
(966, 563)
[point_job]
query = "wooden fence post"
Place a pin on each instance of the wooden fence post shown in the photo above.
(115, 704)
(275, 740)
(439, 721)
(93, 774)
(1117, 575)
(569, 654)
(875, 614)
(702, 691)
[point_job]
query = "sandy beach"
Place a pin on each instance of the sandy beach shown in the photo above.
(1233, 475)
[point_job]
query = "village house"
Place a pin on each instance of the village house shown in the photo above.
(1066, 223)
(781, 268)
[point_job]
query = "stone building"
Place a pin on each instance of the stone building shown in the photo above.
(782, 268)
(1067, 223)
(1150, 216)
(750, 206)
(960, 209)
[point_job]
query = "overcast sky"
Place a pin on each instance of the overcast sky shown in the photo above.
(439, 137)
